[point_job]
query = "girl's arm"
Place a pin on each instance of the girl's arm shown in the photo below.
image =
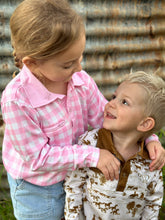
(156, 152)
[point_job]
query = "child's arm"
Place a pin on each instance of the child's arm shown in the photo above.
(73, 187)
(156, 152)
(154, 197)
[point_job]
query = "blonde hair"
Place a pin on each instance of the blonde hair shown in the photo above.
(42, 28)
(154, 97)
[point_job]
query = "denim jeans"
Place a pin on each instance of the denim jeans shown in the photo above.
(32, 202)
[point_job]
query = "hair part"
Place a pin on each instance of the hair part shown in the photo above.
(154, 97)
(42, 28)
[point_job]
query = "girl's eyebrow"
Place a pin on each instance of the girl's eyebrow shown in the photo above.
(71, 61)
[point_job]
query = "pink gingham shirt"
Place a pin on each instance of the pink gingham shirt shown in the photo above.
(42, 128)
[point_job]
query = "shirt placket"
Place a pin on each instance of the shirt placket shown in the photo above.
(70, 108)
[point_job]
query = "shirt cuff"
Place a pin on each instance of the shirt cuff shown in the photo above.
(93, 158)
(153, 137)
(87, 156)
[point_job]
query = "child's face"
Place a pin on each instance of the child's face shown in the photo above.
(61, 67)
(126, 109)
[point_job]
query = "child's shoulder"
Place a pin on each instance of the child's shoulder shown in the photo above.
(89, 137)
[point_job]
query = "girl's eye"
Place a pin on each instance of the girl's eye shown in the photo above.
(67, 67)
(124, 102)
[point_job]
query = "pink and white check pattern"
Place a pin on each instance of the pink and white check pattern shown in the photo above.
(42, 128)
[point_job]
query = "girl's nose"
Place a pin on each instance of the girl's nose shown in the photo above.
(78, 65)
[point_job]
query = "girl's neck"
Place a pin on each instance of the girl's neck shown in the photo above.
(54, 87)
(57, 87)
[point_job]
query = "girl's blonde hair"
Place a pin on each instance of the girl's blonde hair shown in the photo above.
(42, 28)
(154, 97)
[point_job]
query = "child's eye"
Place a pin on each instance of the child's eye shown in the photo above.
(113, 97)
(124, 102)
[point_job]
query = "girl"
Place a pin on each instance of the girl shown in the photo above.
(47, 106)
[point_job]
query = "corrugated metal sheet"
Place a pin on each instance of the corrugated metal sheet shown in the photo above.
(6, 61)
(121, 35)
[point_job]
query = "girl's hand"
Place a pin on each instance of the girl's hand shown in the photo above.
(157, 155)
(109, 165)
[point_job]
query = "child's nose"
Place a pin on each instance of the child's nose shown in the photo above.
(112, 103)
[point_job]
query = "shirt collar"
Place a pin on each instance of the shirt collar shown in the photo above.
(37, 93)
(143, 151)
(104, 141)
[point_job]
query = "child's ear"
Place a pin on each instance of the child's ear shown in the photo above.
(146, 125)
(30, 63)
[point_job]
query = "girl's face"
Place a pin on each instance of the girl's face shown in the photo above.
(61, 67)
(126, 109)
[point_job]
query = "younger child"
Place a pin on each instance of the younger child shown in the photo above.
(135, 112)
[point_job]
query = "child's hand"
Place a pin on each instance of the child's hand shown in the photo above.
(109, 165)
(157, 155)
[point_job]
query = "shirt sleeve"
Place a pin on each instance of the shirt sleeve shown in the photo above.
(95, 104)
(73, 187)
(154, 197)
(32, 145)
(153, 137)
